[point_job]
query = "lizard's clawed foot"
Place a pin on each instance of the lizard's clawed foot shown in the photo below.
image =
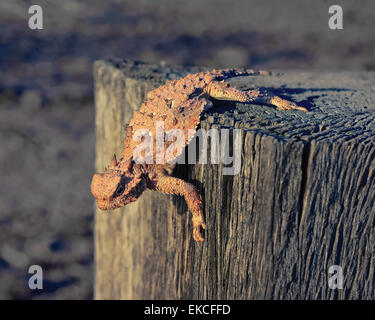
(293, 106)
(197, 232)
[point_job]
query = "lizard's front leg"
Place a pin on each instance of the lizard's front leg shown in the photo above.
(172, 185)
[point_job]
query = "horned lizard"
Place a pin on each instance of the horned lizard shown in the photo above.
(179, 104)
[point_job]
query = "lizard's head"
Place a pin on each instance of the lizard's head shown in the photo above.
(119, 185)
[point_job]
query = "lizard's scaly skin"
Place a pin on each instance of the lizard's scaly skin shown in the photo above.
(178, 104)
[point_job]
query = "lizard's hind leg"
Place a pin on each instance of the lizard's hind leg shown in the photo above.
(280, 103)
(221, 90)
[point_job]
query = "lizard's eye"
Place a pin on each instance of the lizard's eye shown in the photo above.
(119, 190)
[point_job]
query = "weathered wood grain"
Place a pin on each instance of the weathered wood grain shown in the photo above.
(303, 200)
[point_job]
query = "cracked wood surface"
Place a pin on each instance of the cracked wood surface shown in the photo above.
(303, 200)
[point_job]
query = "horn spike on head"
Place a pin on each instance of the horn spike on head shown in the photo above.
(114, 161)
(128, 164)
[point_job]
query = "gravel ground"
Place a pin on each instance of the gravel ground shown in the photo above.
(47, 110)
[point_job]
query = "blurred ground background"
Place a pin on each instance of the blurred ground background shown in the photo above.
(47, 132)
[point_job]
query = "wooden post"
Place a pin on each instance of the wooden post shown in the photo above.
(302, 202)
